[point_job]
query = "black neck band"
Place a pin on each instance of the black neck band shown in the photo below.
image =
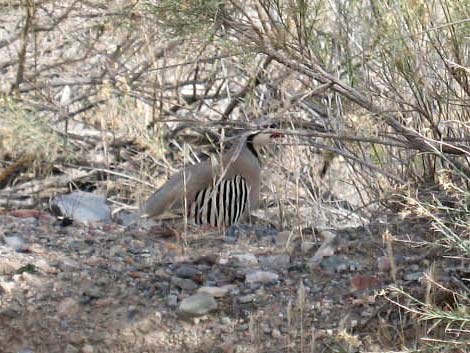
(251, 147)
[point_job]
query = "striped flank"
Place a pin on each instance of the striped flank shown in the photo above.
(223, 205)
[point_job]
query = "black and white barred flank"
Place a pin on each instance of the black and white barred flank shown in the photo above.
(223, 205)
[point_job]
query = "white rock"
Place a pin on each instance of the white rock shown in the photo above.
(261, 277)
(88, 349)
(217, 292)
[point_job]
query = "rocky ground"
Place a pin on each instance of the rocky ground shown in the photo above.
(102, 288)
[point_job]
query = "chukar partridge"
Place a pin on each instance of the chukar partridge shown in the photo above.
(215, 195)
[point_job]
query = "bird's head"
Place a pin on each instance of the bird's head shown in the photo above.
(264, 135)
(261, 138)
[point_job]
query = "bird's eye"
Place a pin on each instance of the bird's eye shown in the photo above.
(269, 126)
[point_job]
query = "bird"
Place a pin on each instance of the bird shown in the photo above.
(215, 195)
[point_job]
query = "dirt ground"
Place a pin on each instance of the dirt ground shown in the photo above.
(101, 288)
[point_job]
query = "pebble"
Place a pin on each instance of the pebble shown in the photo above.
(225, 320)
(338, 264)
(117, 250)
(187, 271)
(248, 260)
(247, 298)
(26, 350)
(69, 265)
(184, 283)
(44, 266)
(68, 307)
(88, 349)
(276, 333)
(217, 292)
(8, 268)
(71, 349)
(6, 287)
(172, 300)
(14, 241)
(413, 276)
(261, 277)
(274, 261)
(197, 305)
(93, 292)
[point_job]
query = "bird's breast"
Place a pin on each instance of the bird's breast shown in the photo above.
(221, 204)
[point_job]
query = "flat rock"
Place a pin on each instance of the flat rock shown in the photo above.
(261, 277)
(413, 276)
(188, 271)
(275, 261)
(248, 259)
(184, 283)
(216, 292)
(197, 305)
(14, 242)
(82, 206)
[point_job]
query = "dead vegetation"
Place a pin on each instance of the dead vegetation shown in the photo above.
(372, 98)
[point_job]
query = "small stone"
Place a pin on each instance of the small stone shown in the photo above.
(8, 268)
(14, 241)
(275, 261)
(261, 277)
(158, 317)
(197, 305)
(338, 264)
(248, 260)
(69, 265)
(117, 250)
(216, 292)
(95, 261)
(242, 327)
(88, 349)
(146, 325)
(104, 302)
(76, 245)
(71, 349)
(137, 244)
(187, 271)
(276, 333)
(184, 283)
(414, 276)
(245, 299)
(172, 300)
(44, 266)
(26, 350)
(93, 292)
(6, 287)
(68, 307)
(225, 320)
